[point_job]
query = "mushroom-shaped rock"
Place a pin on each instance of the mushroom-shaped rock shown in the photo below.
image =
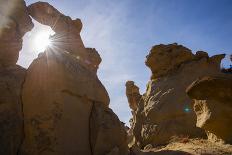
(213, 106)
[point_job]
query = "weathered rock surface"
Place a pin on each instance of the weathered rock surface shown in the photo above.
(165, 110)
(62, 93)
(70, 105)
(67, 37)
(14, 23)
(11, 117)
(108, 135)
(164, 58)
(67, 31)
(213, 106)
(187, 147)
(133, 94)
(65, 106)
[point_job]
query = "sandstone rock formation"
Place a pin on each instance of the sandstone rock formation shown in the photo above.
(70, 105)
(163, 59)
(213, 106)
(165, 110)
(133, 94)
(11, 117)
(67, 37)
(14, 23)
(107, 132)
(61, 93)
(63, 104)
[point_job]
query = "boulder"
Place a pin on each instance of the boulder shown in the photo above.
(11, 117)
(165, 110)
(14, 23)
(213, 106)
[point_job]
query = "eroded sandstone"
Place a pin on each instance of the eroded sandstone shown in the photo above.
(165, 110)
(14, 23)
(212, 104)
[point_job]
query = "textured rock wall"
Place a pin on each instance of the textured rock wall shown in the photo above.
(14, 23)
(165, 110)
(57, 106)
(61, 93)
(213, 106)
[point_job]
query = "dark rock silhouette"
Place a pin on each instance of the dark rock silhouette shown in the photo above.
(64, 106)
(14, 23)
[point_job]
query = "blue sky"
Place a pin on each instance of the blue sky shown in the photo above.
(123, 31)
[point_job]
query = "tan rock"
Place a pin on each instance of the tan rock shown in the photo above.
(164, 58)
(93, 59)
(11, 117)
(186, 146)
(165, 109)
(108, 135)
(14, 23)
(213, 106)
(133, 95)
(58, 94)
(67, 37)
(201, 54)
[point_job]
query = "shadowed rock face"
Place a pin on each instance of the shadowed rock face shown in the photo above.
(213, 106)
(65, 106)
(14, 23)
(61, 93)
(11, 117)
(70, 105)
(165, 110)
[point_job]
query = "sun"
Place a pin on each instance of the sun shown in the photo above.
(42, 41)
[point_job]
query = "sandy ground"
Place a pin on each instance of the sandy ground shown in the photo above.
(188, 147)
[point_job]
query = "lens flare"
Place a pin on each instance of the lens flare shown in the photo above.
(42, 41)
